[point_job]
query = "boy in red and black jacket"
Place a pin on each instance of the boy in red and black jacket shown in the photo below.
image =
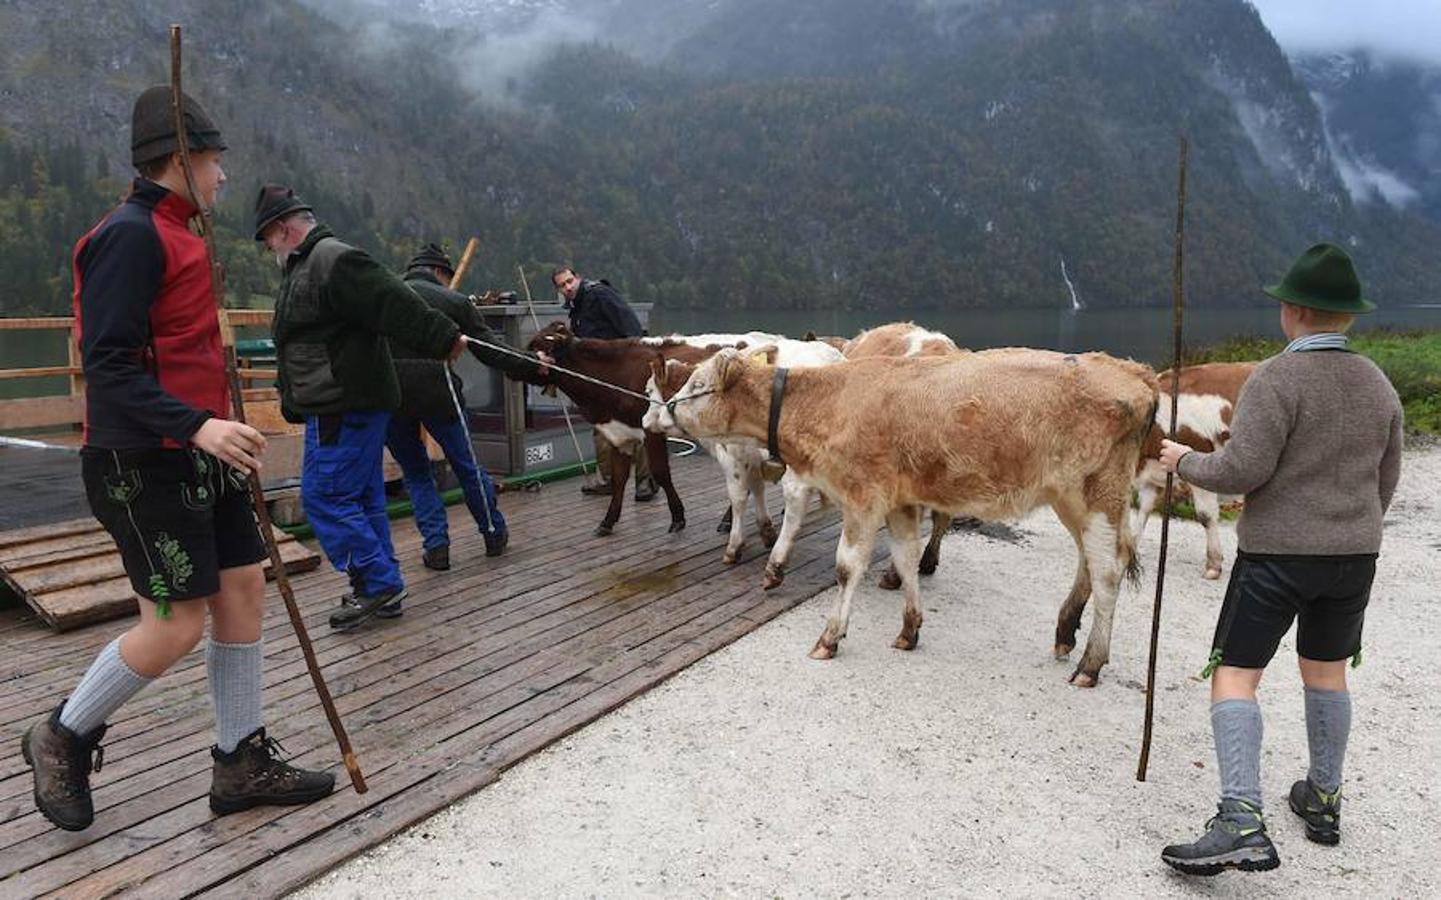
(165, 473)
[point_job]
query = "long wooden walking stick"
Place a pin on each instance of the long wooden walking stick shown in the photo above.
(257, 494)
(464, 262)
(1177, 302)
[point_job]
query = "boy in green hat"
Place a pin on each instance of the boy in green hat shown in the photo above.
(1316, 450)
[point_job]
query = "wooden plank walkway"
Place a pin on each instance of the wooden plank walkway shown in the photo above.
(491, 662)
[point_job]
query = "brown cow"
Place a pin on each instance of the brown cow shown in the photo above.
(626, 363)
(1208, 394)
(991, 434)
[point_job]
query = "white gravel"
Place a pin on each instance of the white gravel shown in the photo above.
(968, 767)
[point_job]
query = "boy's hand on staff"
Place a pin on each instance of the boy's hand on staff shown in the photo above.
(1171, 453)
(233, 443)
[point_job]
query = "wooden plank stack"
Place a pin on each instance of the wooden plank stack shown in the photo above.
(71, 575)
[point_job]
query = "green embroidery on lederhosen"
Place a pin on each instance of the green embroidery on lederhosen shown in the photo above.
(177, 566)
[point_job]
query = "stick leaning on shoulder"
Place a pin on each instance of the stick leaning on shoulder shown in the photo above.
(237, 398)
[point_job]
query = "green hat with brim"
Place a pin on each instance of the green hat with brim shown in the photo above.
(1323, 278)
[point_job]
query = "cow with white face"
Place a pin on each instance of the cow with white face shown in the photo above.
(744, 462)
(992, 434)
(1208, 393)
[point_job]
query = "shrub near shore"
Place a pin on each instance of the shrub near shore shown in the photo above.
(1411, 359)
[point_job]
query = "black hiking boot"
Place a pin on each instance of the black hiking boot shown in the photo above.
(437, 558)
(361, 608)
(1235, 838)
(645, 491)
(596, 489)
(255, 775)
(1320, 811)
(62, 763)
(496, 541)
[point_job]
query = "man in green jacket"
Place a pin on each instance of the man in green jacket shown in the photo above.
(431, 397)
(334, 313)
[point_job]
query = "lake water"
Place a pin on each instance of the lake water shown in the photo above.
(1143, 334)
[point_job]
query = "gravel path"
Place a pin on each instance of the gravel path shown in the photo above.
(968, 767)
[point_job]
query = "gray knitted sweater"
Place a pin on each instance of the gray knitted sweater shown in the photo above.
(1315, 448)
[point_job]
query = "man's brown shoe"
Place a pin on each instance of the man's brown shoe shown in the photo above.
(62, 763)
(255, 775)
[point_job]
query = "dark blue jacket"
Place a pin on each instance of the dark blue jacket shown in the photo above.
(599, 312)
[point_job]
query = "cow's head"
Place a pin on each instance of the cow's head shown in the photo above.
(701, 407)
(553, 340)
(667, 377)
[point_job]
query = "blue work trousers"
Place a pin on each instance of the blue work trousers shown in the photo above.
(343, 490)
(403, 439)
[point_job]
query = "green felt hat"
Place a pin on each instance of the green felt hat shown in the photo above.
(1323, 278)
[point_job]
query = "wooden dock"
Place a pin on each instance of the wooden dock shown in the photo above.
(491, 662)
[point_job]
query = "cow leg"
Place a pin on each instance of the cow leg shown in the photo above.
(1072, 514)
(659, 458)
(904, 535)
(764, 525)
(1208, 513)
(798, 499)
(940, 525)
(853, 554)
(620, 462)
(1108, 549)
(737, 489)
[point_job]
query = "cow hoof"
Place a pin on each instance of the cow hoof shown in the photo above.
(890, 581)
(1064, 650)
(773, 579)
(603, 530)
(823, 651)
(676, 525)
(730, 558)
(928, 565)
(1084, 679)
(904, 643)
(1212, 573)
(769, 535)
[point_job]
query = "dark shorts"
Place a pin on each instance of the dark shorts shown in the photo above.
(1326, 595)
(178, 516)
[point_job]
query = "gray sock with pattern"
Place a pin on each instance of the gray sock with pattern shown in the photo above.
(234, 674)
(107, 684)
(1237, 727)
(1328, 725)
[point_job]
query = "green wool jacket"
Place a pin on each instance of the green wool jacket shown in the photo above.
(334, 312)
(423, 392)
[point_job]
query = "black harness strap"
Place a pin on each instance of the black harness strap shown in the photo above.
(778, 392)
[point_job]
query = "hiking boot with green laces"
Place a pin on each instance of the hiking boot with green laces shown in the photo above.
(255, 775)
(62, 761)
(1235, 838)
(1319, 810)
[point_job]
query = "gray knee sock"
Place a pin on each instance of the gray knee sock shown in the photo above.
(234, 673)
(1328, 725)
(106, 686)
(1236, 725)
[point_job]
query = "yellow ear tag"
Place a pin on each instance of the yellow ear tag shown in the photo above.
(759, 357)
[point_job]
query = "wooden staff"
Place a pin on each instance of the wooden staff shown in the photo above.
(1177, 298)
(464, 262)
(237, 397)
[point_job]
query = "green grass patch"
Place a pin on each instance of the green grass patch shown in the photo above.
(1411, 359)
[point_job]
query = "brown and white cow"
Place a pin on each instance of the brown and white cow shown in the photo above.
(1208, 394)
(992, 434)
(907, 339)
(626, 363)
(744, 463)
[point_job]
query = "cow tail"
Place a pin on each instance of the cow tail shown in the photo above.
(1126, 551)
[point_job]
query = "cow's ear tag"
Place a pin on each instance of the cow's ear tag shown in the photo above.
(759, 357)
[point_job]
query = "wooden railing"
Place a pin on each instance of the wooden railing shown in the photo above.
(68, 409)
